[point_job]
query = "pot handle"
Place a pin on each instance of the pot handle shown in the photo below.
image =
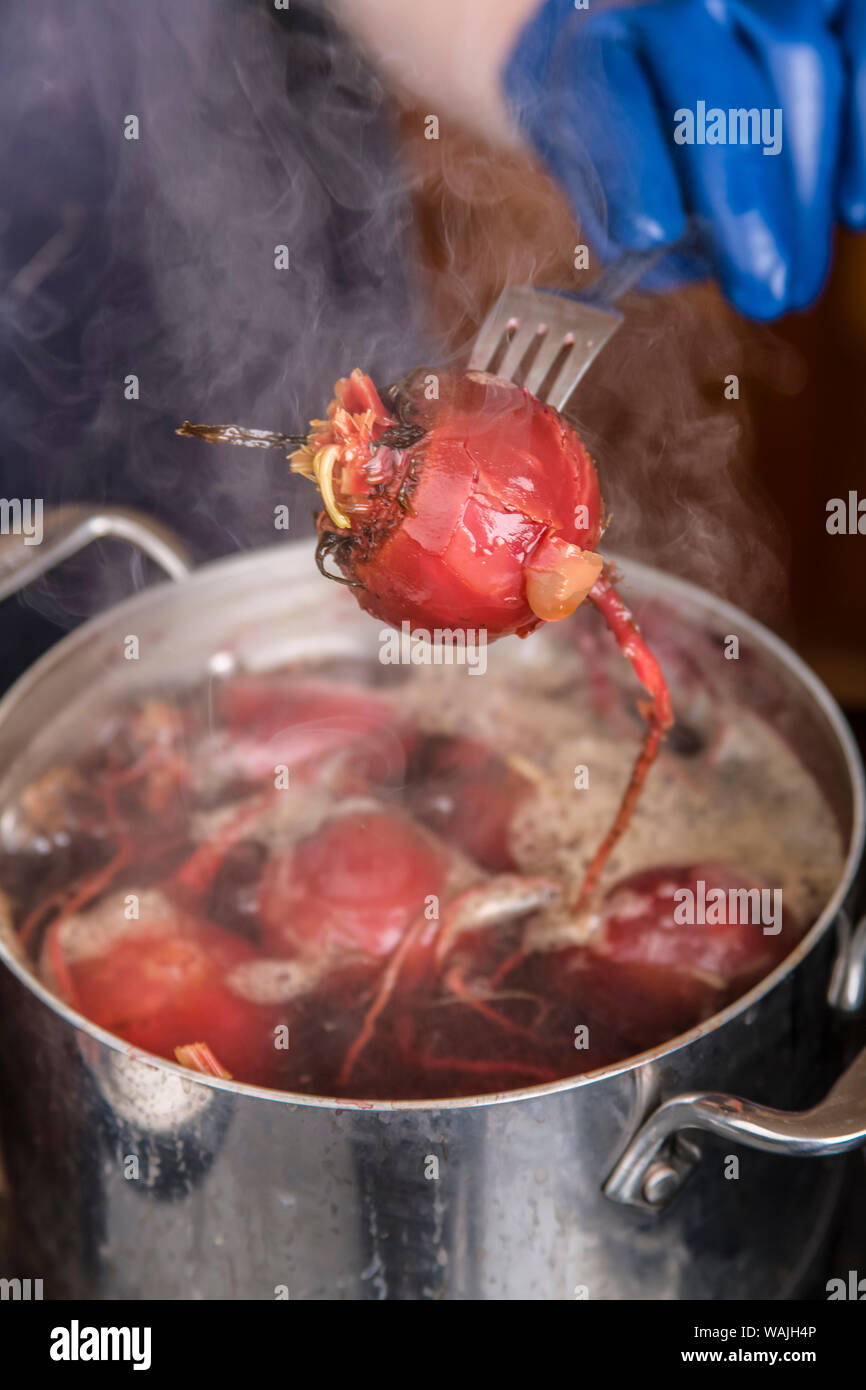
(66, 530)
(659, 1158)
(657, 1161)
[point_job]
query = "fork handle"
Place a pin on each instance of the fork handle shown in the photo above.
(622, 275)
(630, 267)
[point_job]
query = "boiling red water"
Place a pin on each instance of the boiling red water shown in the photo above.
(269, 925)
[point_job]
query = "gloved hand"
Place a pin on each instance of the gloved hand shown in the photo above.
(596, 92)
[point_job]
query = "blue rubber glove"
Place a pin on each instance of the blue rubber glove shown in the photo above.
(849, 18)
(597, 92)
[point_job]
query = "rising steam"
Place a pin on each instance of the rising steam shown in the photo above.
(155, 257)
(673, 452)
(257, 129)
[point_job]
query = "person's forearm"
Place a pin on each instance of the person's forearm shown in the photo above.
(447, 54)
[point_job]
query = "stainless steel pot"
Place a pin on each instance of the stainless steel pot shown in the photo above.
(131, 1179)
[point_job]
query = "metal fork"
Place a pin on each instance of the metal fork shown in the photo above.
(546, 339)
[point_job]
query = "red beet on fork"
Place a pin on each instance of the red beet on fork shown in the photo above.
(466, 503)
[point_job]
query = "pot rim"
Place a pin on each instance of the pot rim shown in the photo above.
(661, 584)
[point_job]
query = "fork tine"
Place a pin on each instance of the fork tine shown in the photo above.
(568, 354)
(566, 332)
(490, 334)
(520, 344)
